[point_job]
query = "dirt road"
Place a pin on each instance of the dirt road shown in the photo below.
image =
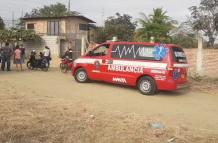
(33, 94)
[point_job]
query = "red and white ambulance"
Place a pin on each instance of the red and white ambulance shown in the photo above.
(148, 66)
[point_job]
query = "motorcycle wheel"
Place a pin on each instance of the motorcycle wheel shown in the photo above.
(44, 65)
(63, 67)
(29, 65)
(45, 69)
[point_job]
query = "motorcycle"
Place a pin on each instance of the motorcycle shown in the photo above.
(66, 64)
(34, 63)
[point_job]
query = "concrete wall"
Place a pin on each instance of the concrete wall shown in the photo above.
(210, 61)
(52, 42)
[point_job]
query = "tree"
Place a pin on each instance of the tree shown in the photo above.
(157, 25)
(15, 35)
(52, 10)
(184, 35)
(2, 24)
(100, 35)
(120, 26)
(205, 18)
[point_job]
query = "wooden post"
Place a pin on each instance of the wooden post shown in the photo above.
(83, 45)
(199, 65)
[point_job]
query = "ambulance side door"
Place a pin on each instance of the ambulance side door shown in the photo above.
(119, 64)
(99, 57)
(125, 67)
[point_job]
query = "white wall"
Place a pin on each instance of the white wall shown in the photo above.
(53, 43)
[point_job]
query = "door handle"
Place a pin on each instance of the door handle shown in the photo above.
(109, 61)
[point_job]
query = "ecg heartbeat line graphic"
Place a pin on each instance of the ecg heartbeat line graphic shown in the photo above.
(135, 51)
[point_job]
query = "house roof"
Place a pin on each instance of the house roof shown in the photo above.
(60, 17)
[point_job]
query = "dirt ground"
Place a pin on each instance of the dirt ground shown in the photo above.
(50, 107)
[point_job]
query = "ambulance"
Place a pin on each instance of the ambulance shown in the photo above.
(148, 66)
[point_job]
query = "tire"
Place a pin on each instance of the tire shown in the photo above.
(44, 66)
(28, 64)
(45, 69)
(81, 76)
(147, 86)
(63, 67)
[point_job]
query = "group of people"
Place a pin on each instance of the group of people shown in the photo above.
(45, 54)
(6, 53)
(18, 54)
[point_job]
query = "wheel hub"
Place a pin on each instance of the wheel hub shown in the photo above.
(145, 86)
(81, 76)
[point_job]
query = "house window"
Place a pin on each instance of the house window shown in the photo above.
(53, 27)
(30, 26)
(83, 27)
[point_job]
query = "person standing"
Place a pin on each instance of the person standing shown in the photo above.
(18, 58)
(47, 54)
(22, 49)
(6, 57)
(0, 55)
(69, 54)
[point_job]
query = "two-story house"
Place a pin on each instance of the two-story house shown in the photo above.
(60, 33)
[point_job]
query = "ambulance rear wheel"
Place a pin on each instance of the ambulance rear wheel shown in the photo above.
(81, 75)
(147, 85)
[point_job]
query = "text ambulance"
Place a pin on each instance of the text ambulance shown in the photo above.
(148, 66)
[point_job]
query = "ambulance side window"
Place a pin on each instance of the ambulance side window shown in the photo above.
(178, 55)
(132, 52)
(101, 50)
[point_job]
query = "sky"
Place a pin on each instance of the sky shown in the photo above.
(99, 10)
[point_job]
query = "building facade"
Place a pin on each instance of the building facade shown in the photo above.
(60, 33)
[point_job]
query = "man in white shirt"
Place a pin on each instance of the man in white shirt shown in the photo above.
(47, 54)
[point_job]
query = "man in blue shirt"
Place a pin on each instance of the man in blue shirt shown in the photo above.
(6, 57)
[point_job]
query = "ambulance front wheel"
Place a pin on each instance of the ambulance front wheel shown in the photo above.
(81, 75)
(147, 85)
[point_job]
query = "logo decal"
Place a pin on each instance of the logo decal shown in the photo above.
(158, 71)
(119, 80)
(175, 74)
(130, 69)
(97, 65)
(160, 52)
(160, 77)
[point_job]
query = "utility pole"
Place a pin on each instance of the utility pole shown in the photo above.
(22, 14)
(103, 16)
(12, 18)
(199, 65)
(69, 5)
